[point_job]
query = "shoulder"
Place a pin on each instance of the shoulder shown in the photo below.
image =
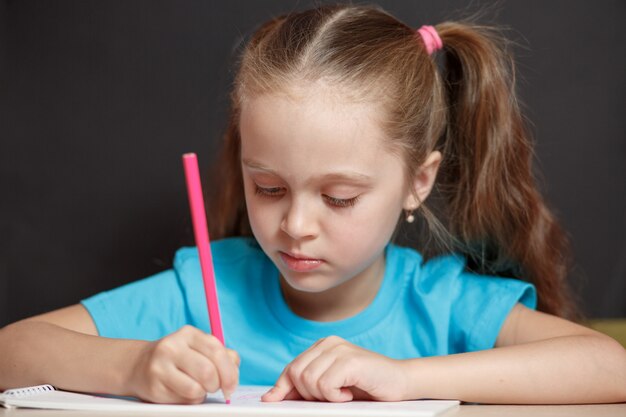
(441, 273)
(449, 274)
(470, 307)
(445, 283)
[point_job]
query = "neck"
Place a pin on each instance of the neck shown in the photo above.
(340, 302)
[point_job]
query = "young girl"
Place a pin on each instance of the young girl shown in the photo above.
(342, 124)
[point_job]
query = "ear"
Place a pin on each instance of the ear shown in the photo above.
(423, 182)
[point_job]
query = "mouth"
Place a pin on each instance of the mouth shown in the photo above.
(299, 263)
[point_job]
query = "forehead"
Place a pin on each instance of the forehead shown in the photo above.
(315, 127)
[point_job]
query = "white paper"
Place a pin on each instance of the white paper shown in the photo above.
(246, 401)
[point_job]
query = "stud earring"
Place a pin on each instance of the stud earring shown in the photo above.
(410, 218)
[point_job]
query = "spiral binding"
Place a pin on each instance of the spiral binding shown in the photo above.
(22, 392)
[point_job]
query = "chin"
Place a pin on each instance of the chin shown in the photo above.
(309, 284)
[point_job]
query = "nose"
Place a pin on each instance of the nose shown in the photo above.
(300, 222)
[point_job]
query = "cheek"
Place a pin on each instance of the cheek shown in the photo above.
(365, 233)
(264, 218)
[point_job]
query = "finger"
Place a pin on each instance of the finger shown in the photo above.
(183, 387)
(288, 385)
(310, 376)
(309, 365)
(159, 393)
(169, 396)
(227, 368)
(272, 395)
(293, 395)
(234, 356)
(335, 383)
(295, 376)
(295, 371)
(200, 368)
(283, 386)
(280, 390)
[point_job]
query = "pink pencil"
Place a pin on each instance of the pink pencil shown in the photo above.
(201, 233)
(198, 215)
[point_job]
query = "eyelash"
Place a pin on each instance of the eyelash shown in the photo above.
(335, 202)
(267, 192)
(341, 202)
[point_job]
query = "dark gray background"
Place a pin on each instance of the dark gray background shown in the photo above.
(98, 100)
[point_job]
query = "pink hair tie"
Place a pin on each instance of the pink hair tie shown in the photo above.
(431, 38)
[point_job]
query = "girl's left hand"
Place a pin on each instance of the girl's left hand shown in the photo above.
(336, 370)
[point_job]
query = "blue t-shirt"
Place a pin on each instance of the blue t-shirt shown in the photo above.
(421, 309)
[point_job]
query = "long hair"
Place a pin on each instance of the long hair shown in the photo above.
(491, 209)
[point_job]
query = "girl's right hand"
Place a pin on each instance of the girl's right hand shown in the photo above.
(182, 367)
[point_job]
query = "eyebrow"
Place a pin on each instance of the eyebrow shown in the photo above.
(349, 176)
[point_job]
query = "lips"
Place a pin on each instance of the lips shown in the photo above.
(300, 263)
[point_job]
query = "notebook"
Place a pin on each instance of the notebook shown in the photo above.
(246, 401)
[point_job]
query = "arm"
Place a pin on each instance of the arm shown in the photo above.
(538, 358)
(62, 348)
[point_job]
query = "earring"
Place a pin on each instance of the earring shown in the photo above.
(410, 218)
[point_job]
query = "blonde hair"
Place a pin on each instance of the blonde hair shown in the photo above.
(468, 110)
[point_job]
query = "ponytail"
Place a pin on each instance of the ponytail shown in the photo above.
(495, 209)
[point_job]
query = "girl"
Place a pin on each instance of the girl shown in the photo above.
(342, 124)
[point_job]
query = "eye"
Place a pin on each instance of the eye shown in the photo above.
(341, 202)
(268, 191)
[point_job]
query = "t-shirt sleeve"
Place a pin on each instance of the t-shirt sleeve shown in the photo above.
(148, 309)
(481, 306)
